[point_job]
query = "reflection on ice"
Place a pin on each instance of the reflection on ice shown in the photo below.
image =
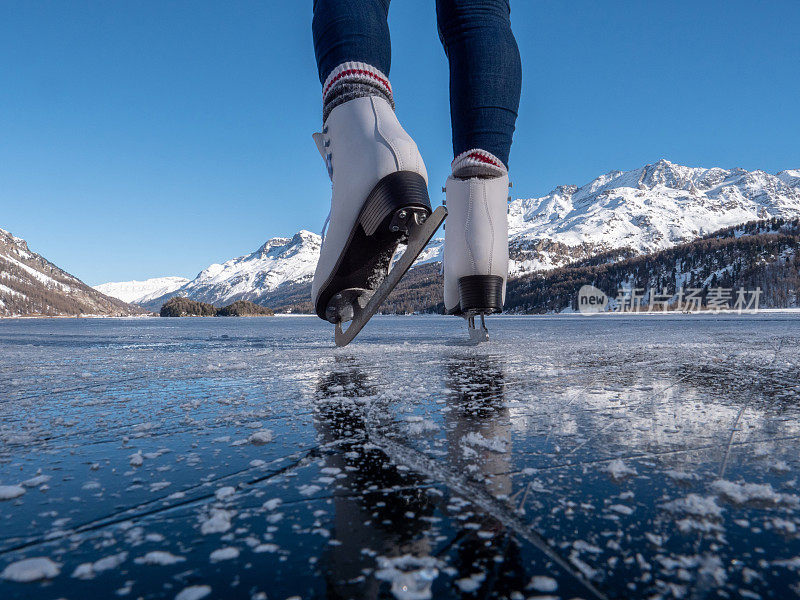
(640, 457)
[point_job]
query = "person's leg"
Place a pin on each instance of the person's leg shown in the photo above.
(379, 196)
(485, 76)
(485, 82)
(353, 50)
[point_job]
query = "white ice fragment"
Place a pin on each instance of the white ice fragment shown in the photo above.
(36, 481)
(790, 563)
(411, 576)
(680, 475)
(225, 492)
(619, 470)
(582, 546)
(193, 592)
(470, 584)
(696, 505)
(542, 583)
(136, 460)
(780, 466)
(742, 493)
(263, 436)
(159, 557)
(218, 522)
(690, 524)
(711, 568)
(273, 503)
(159, 485)
(227, 553)
(621, 509)
(587, 571)
(272, 548)
(257, 462)
(31, 569)
(742, 522)
(784, 526)
(422, 426)
(84, 571)
(89, 570)
(9, 492)
(495, 444)
(308, 489)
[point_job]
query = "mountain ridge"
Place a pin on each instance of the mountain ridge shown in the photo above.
(644, 210)
(31, 285)
(139, 292)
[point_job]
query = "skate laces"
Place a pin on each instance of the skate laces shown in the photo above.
(325, 227)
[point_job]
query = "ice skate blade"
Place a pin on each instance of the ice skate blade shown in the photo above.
(418, 238)
(480, 334)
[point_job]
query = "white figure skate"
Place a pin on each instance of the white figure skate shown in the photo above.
(380, 200)
(476, 249)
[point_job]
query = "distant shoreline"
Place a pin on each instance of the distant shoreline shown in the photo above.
(729, 312)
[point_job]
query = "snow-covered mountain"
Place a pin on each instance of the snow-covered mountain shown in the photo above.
(647, 209)
(139, 292)
(644, 210)
(253, 276)
(32, 285)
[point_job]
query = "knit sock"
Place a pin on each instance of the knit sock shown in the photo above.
(354, 80)
(477, 163)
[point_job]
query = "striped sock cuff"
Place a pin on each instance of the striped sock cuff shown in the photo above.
(477, 163)
(354, 80)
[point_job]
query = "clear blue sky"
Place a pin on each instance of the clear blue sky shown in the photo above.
(149, 138)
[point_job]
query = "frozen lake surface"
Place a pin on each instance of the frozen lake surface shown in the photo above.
(619, 457)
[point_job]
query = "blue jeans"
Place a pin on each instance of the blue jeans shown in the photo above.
(485, 69)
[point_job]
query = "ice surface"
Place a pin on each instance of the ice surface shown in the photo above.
(636, 457)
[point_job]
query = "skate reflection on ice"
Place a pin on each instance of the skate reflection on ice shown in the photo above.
(384, 512)
(479, 445)
(479, 441)
(379, 510)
